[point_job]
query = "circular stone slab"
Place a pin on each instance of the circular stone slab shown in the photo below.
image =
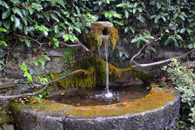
(157, 111)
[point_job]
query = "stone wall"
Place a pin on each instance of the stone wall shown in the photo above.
(122, 55)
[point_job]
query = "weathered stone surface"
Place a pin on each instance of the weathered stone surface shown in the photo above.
(5, 117)
(8, 127)
(106, 23)
(189, 64)
(163, 118)
(123, 52)
(36, 121)
(192, 55)
(56, 52)
(14, 73)
(163, 53)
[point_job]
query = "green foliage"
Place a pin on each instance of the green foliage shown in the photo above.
(39, 97)
(1, 64)
(53, 19)
(26, 73)
(169, 22)
(2, 120)
(184, 79)
(68, 57)
(4, 44)
(172, 22)
(29, 70)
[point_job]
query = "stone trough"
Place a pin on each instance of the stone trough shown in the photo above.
(157, 111)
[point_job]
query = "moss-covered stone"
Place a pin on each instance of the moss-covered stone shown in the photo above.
(96, 75)
(96, 35)
(141, 75)
(154, 100)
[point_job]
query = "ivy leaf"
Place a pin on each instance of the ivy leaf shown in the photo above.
(47, 16)
(37, 6)
(31, 10)
(77, 29)
(55, 42)
(36, 63)
(158, 5)
(17, 11)
(24, 19)
(167, 41)
(17, 22)
(2, 30)
(157, 19)
(4, 4)
(190, 46)
(54, 17)
(134, 40)
(126, 14)
(153, 16)
(31, 69)
(23, 67)
(66, 37)
(56, 29)
(179, 37)
(29, 77)
(28, 44)
(164, 19)
(42, 63)
(182, 30)
(15, 1)
(182, 17)
(1, 62)
(141, 18)
(126, 29)
(47, 57)
(6, 14)
(119, 22)
(3, 43)
(7, 24)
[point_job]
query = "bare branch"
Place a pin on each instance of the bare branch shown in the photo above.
(8, 53)
(138, 53)
(27, 37)
(63, 43)
(45, 86)
(162, 61)
(26, 94)
(74, 45)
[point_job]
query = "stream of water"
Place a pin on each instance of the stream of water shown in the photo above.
(108, 93)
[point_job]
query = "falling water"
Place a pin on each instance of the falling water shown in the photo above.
(108, 93)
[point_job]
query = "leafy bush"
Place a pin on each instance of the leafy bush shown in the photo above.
(171, 22)
(27, 19)
(184, 79)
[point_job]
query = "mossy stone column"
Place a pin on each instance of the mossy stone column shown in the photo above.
(101, 31)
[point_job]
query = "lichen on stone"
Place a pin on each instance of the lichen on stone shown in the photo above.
(154, 100)
(93, 38)
(96, 75)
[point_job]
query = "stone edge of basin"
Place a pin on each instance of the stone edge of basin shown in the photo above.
(156, 119)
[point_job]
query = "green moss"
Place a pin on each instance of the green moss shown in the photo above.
(96, 76)
(152, 101)
(93, 37)
(141, 75)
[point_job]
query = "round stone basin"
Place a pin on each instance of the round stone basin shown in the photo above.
(96, 96)
(156, 111)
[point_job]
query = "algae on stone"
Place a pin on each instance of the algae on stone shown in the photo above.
(95, 35)
(96, 74)
(154, 100)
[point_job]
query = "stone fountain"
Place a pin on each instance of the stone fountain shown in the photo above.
(158, 110)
